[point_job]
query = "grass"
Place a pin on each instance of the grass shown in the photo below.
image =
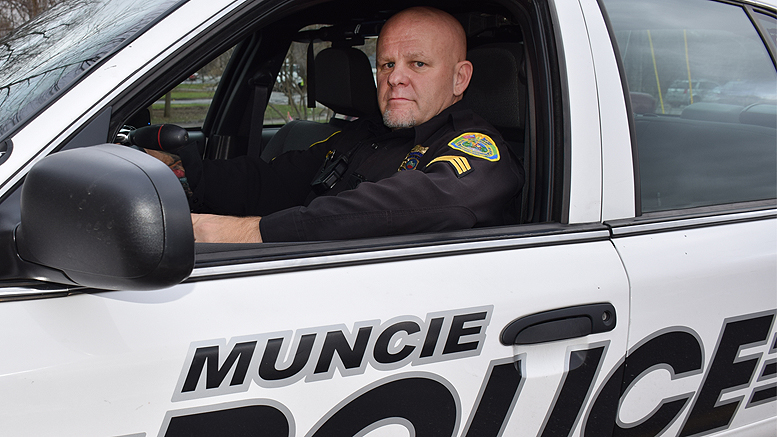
(193, 114)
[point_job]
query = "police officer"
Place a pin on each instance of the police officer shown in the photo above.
(430, 164)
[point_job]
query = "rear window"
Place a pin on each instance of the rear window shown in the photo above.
(704, 95)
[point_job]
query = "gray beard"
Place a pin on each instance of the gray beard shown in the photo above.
(392, 123)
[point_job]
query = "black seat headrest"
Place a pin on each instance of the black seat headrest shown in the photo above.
(345, 83)
(497, 91)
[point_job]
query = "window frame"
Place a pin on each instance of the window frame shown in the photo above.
(544, 92)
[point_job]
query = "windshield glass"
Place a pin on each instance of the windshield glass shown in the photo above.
(49, 53)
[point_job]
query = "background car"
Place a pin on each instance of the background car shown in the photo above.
(683, 92)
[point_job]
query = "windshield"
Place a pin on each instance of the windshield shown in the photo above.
(49, 53)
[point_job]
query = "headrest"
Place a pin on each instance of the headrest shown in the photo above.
(497, 90)
(345, 83)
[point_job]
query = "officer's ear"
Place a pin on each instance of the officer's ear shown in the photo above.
(461, 78)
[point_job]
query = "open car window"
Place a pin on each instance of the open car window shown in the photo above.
(218, 100)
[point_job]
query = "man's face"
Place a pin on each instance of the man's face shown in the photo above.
(415, 73)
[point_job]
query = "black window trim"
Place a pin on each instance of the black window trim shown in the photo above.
(693, 218)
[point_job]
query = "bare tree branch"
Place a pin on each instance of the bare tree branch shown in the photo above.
(14, 13)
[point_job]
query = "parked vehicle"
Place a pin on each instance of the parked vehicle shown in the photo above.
(636, 294)
(684, 92)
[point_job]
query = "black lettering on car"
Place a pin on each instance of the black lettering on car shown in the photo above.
(244, 418)
(337, 343)
(677, 350)
(432, 335)
(458, 330)
(728, 371)
(214, 376)
(766, 393)
(382, 352)
(497, 398)
(576, 385)
(423, 402)
(267, 366)
(216, 368)
(314, 353)
(428, 404)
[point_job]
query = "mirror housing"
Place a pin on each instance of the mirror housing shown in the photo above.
(106, 217)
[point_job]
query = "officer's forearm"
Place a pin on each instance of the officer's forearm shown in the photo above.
(210, 228)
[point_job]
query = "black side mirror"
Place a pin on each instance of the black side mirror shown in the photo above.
(106, 217)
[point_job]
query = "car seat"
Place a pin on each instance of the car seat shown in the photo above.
(344, 83)
(498, 93)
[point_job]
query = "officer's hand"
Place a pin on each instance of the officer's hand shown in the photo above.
(209, 228)
(174, 162)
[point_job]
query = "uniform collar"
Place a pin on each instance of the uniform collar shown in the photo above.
(452, 115)
(455, 114)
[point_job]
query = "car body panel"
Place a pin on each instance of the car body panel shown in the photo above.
(696, 268)
(93, 338)
(585, 182)
(617, 169)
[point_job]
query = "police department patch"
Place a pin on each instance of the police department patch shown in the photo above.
(477, 145)
(412, 158)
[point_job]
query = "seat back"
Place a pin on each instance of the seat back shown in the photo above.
(345, 84)
(497, 90)
(498, 93)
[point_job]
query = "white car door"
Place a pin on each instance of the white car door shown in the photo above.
(415, 333)
(702, 258)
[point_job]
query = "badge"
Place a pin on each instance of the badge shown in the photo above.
(412, 158)
(477, 145)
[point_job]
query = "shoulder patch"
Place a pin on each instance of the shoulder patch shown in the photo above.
(477, 145)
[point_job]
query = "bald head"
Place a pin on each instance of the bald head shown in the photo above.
(434, 22)
(422, 66)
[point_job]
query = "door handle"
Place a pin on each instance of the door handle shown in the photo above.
(560, 324)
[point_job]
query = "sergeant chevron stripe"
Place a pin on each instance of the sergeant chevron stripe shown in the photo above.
(460, 164)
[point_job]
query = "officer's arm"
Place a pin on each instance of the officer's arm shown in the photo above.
(210, 228)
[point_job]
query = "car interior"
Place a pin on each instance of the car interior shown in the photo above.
(510, 87)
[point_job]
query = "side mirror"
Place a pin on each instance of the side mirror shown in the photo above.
(106, 217)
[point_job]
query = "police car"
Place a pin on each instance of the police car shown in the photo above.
(635, 295)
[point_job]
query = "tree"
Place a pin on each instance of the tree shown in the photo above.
(13, 13)
(292, 82)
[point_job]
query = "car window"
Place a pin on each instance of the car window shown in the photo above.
(35, 65)
(703, 93)
(187, 104)
(289, 98)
